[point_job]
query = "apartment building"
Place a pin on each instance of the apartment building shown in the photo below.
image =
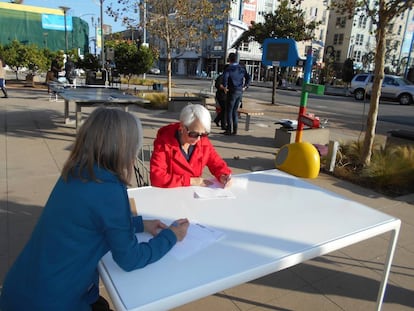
(355, 38)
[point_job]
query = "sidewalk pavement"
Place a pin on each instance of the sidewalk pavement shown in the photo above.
(35, 142)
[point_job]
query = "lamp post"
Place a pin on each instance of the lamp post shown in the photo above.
(102, 38)
(65, 9)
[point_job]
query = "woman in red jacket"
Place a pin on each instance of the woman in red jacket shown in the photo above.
(182, 150)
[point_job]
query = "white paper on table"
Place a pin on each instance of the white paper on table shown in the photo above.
(198, 237)
(213, 193)
(216, 190)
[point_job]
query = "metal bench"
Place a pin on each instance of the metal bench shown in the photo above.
(248, 113)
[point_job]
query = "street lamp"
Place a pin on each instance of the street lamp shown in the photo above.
(65, 9)
(102, 38)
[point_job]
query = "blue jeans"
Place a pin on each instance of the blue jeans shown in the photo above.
(233, 103)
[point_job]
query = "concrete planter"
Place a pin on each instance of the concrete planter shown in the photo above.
(176, 104)
(313, 136)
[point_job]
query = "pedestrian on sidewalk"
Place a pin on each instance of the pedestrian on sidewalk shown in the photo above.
(3, 77)
(88, 214)
(182, 150)
(221, 102)
(235, 80)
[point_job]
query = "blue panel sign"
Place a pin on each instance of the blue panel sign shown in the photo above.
(56, 22)
(281, 52)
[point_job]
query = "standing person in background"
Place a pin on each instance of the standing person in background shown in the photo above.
(221, 102)
(3, 77)
(55, 67)
(235, 80)
(182, 150)
(88, 214)
(69, 70)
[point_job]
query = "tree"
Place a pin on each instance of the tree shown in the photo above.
(131, 59)
(18, 56)
(382, 12)
(287, 21)
(176, 23)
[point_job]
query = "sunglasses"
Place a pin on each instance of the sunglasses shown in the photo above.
(194, 134)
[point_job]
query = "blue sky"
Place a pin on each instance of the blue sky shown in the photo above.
(87, 8)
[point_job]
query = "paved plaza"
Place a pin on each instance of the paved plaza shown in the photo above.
(35, 142)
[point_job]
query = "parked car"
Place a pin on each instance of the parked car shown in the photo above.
(393, 88)
(154, 71)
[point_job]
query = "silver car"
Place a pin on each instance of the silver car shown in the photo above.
(393, 88)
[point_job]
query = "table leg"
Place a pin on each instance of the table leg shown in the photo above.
(66, 112)
(387, 266)
(247, 126)
(78, 115)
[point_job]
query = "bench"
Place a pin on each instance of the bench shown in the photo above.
(248, 113)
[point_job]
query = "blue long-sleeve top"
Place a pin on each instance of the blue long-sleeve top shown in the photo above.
(81, 222)
(235, 77)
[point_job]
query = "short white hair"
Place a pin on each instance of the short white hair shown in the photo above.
(193, 112)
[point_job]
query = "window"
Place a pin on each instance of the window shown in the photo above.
(338, 38)
(340, 22)
(359, 40)
(390, 28)
(399, 30)
(244, 46)
(362, 22)
(357, 58)
(337, 56)
(313, 13)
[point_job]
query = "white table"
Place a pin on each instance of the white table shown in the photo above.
(276, 221)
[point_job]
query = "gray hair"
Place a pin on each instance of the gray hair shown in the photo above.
(110, 138)
(193, 112)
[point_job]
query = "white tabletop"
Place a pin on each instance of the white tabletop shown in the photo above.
(275, 221)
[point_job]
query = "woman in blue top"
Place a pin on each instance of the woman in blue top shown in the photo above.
(87, 215)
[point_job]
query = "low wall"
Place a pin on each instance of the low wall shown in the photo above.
(313, 136)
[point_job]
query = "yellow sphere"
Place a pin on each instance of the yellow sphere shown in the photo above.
(299, 159)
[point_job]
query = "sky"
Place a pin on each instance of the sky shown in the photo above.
(80, 8)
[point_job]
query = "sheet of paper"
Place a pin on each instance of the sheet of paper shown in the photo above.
(213, 193)
(198, 237)
(216, 190)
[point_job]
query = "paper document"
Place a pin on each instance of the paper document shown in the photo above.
(198, 237)
(213, 193)
(216, 190)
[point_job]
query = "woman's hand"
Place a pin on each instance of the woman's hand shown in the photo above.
(199, 181)
(225, 180)
(180, 227)
(154, 226)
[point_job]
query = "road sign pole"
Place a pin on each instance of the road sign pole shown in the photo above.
(304, 95)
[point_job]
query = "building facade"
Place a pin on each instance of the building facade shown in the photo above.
(208, 57)
(355, 38)
(43, 27)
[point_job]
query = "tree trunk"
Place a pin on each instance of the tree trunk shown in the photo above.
(376, 87)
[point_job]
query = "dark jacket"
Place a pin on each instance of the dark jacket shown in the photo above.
(235, 77)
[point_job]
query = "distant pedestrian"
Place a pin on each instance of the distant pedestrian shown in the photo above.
(3, 77)
(69, 70)
(221, 100)
(235, 80)
(55, 67)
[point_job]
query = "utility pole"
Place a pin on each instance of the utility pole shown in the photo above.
(65, 9)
